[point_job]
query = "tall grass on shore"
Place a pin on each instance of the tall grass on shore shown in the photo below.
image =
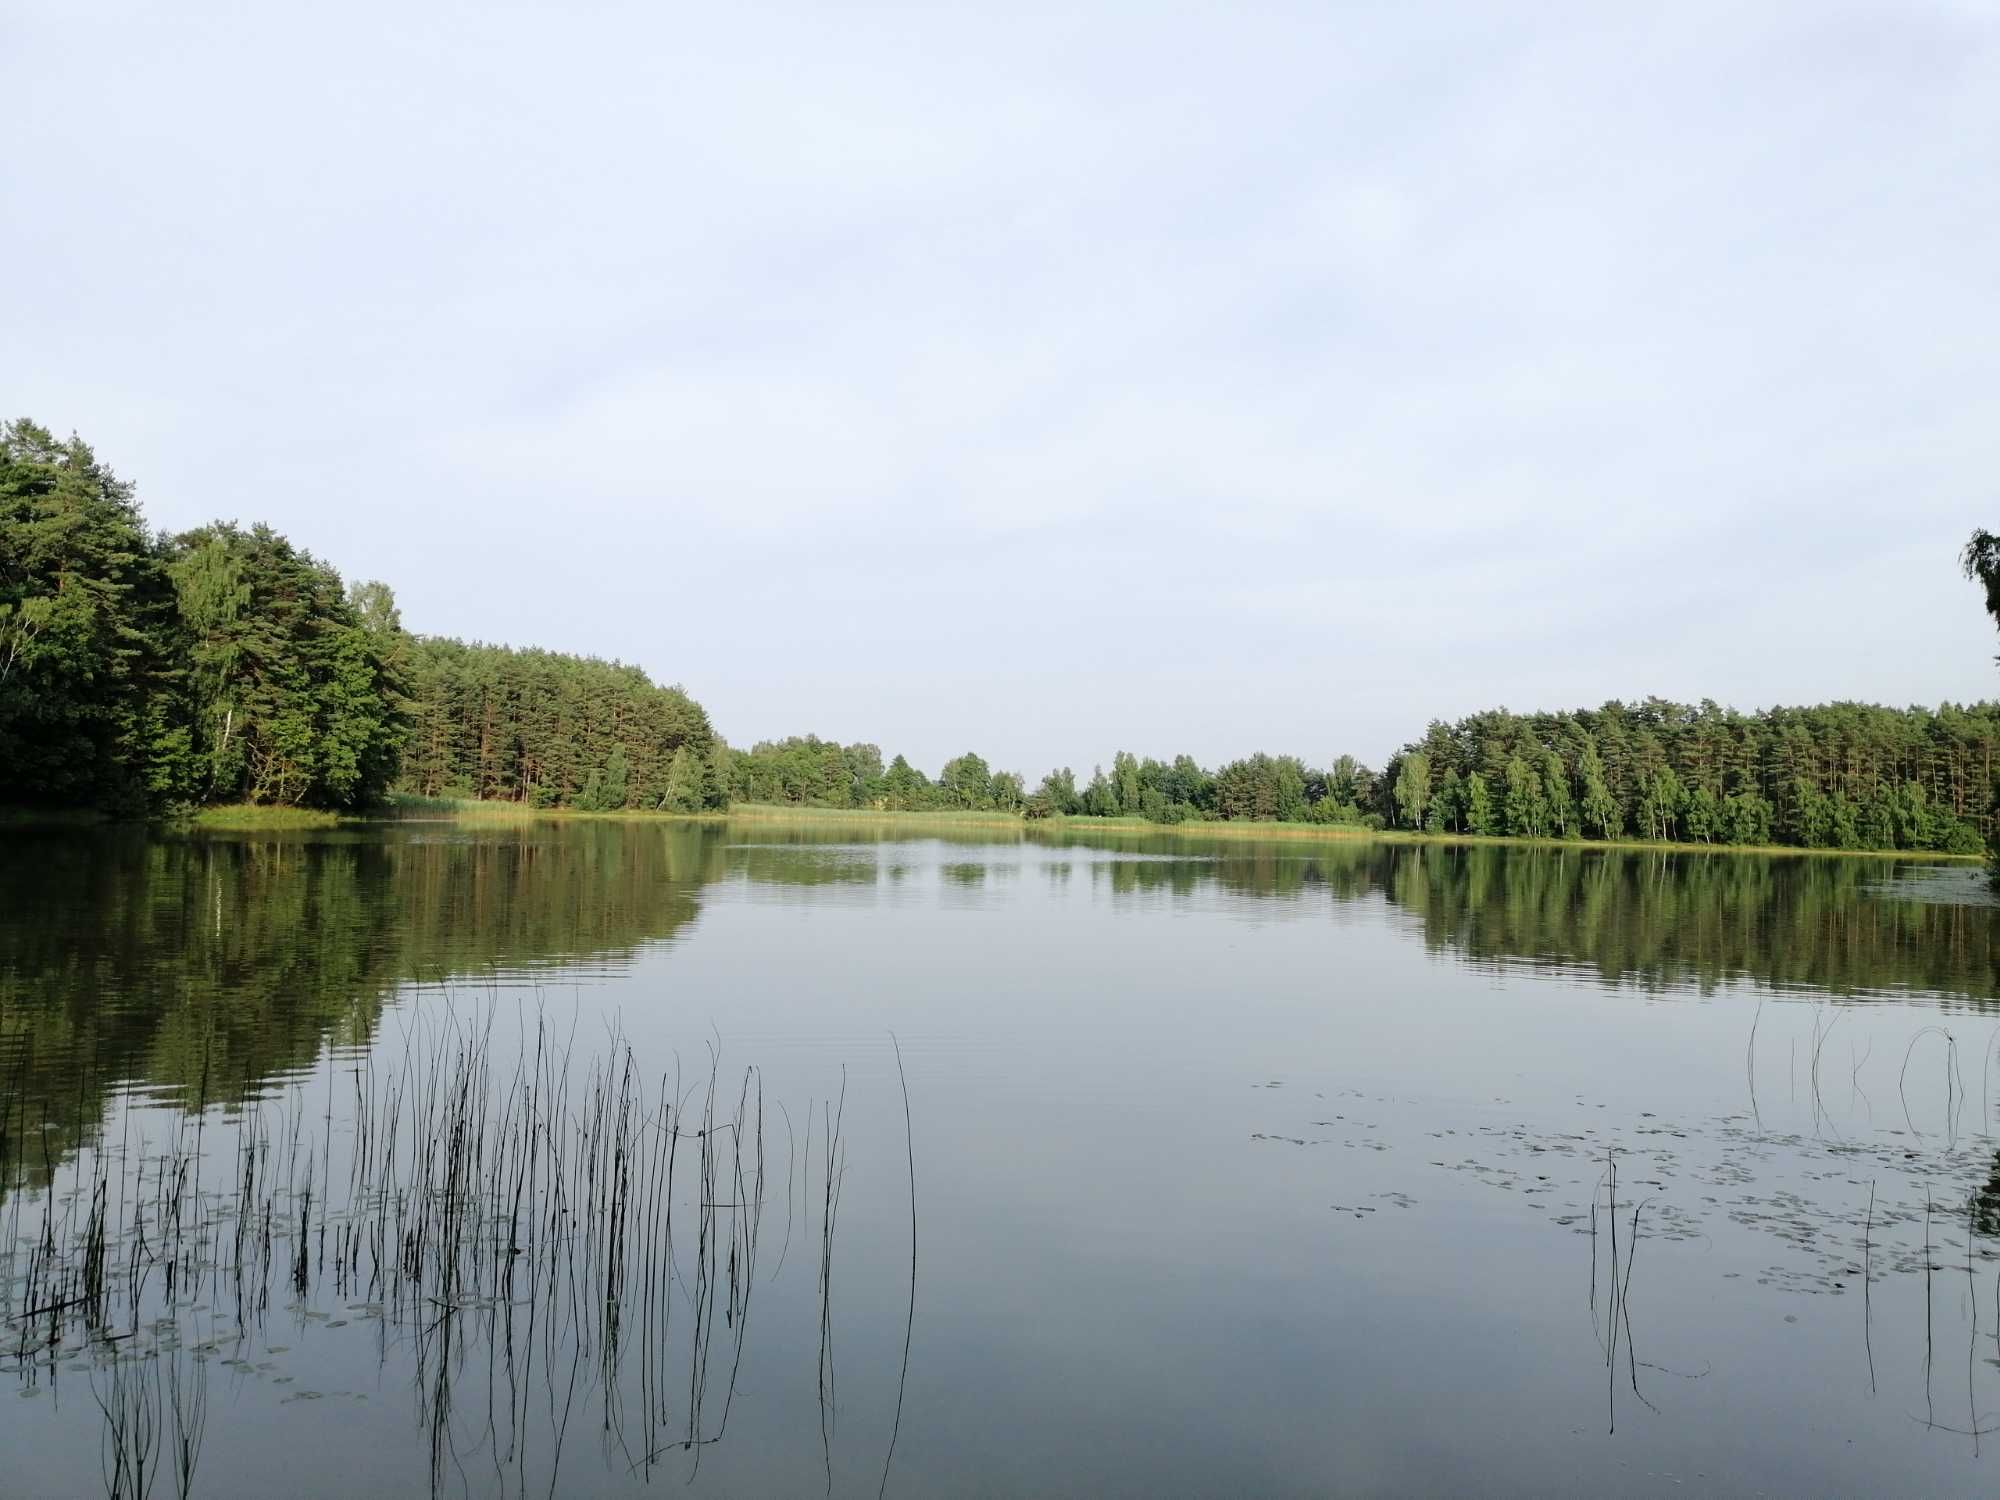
(258, 816)
(582, 1236)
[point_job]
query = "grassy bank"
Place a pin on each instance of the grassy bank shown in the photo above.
(258, 815)
(858, 817)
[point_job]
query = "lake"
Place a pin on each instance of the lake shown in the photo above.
(803, 1158)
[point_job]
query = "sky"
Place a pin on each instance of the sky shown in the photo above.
(1050, 380)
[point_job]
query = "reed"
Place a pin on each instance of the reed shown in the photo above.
(257, 815)
(581, 1235)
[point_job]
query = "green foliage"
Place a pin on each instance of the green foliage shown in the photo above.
(618, 777)
(1348, 782)
(1099, 799)
(1261, 787)
(1413, 787)
(966, 782)
(1558, 806)
(683, 791)
(1660, 797)
(1289, 786)
(905, 787)
(1746, 818)
(218, 666)
(1057, 793)
(1701, 813)
(806, 771)
(1445, 809)
(1840, 776)
(1844, 776)
(1125, 782)
(1478, 805)
(609, 789)
(289, 696)
(551, 730)
(818, 773)
(1600, 812)
(85, 614)
(225, 665)
(1527, 813)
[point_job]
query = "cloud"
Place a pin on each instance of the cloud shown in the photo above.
(1050, 380)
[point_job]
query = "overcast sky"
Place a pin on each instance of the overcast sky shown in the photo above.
(1050, 380)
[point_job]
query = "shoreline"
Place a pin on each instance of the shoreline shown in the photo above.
(252, 817)
(1312, 832)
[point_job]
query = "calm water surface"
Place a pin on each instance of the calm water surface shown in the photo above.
(1240, 1167)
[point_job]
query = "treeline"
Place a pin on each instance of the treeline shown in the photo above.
(223, 664)
(807, 771)
(1843, 776)
(1840, 776)
(218, 665)
(143, 673)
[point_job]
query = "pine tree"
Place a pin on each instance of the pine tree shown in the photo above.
(84, 620)
(617, 779)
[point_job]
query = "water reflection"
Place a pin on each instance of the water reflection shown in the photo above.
(539, 1243)
(203, 968)
(1662, 921)
(1279, 1101)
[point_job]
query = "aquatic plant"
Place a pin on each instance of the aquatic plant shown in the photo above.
(557, 1220)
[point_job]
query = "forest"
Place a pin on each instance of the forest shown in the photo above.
(497, 724)
(145, 674)
(1842, 776)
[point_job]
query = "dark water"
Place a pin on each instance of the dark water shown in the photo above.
(1241, 1167)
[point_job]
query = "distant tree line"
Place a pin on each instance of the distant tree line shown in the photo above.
(223, 664)
(1260, 788)
(1844, 776)
(142, 672)
(807, 771)
(1840, 776)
